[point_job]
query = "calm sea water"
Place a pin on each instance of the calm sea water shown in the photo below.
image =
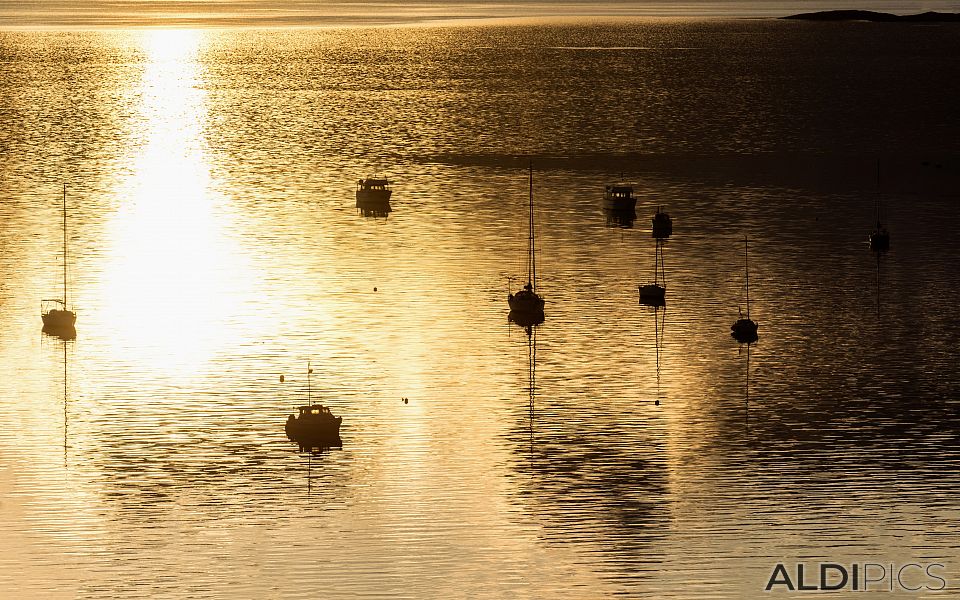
(214, 245)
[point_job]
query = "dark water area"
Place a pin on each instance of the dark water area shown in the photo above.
(615, 450)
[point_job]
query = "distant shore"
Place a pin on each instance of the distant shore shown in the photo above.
(881, 17)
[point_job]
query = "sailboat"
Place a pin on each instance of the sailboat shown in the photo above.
(662, 224)
(58, 319)
(654, 294)
(744, 330)
(526, 306)
(880, 238)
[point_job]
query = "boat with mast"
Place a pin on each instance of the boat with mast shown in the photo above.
(880, 237)
(526, 306)
(58, 319)
(654, 294)
(744, 330)
(662, 224)
(314, 424)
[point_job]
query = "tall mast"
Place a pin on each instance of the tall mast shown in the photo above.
(532, 266)
(309, 370)
(64, 246)
(746, 265)
(878, 192)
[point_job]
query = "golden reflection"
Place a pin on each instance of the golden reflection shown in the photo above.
(170, 268)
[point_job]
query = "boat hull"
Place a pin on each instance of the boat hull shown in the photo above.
(59, 318)
(880, 241)
(525, 301)
(373, 197)
(662, 227)
(313, 430)
(60, 323)
(744, 330)
(653, 295)
(620, 204)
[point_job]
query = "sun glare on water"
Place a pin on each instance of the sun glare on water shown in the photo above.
(170, 267)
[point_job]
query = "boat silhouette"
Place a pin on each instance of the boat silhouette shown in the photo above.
(58, 319)
(526, 305)
(744, 330)
(313, 425)
(655, 294)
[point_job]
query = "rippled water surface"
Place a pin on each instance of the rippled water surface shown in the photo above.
(614, 450)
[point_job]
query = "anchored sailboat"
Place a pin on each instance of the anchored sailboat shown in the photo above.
(526, 306)
(654, 294)
(744, 330)
(58, 319)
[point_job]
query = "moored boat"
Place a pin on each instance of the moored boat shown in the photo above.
(619, 196)
(655, 294)
(373, 190)
(314, 424)
(744, 329)
(58, 319)
(662, 224)
(526, 305)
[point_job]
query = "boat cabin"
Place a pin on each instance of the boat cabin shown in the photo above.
(314, 411)
(379, 185)
(619, 192)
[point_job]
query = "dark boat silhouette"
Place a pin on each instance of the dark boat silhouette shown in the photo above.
(526, 305)
(313, 425)
(58, 319)
(373, 190)
(619, 196)
(655, 294)
(744, 330)
(662, 224)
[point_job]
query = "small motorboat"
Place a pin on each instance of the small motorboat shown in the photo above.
(314, 423)
(619, 196)
(373, 191)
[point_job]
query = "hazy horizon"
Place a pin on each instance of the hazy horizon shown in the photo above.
(183, 13)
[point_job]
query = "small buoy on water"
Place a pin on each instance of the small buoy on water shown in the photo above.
(281, 379)
(374, 289)
(656, 403)
(406, 401)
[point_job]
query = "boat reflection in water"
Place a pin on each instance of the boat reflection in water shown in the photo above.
(659, 321)
(377, 211)
(620, 218)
